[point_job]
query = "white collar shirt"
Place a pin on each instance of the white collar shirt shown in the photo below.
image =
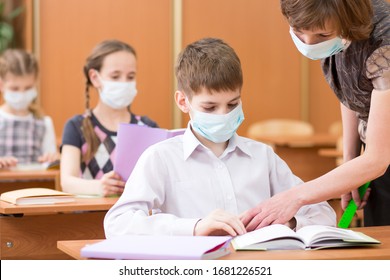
(183, 181)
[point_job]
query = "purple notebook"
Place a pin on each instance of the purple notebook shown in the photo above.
(152, 247)
(133, 140)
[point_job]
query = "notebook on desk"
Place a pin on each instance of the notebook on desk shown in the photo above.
(37, 166)
(151, 247)
(33, 196)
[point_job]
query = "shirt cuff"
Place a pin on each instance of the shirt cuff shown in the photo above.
(184, 226)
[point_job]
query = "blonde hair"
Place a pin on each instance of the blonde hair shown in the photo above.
(20, 63)
(209, 64)
(352, 18)
(95, 61)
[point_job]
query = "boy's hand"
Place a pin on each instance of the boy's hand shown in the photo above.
(6, 162)
(49, 157)
(112, 184)
(219, 222)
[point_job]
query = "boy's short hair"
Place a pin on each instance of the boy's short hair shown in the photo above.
(208, 64)
(352, 19)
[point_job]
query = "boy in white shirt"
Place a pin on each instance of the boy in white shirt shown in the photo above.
(201, 181)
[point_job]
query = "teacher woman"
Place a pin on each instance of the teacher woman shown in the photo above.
(352, 39)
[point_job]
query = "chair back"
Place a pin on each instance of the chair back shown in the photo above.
(279, 127)
(336, 128)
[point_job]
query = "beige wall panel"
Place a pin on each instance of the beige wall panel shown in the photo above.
(258, 32)
(69, 29)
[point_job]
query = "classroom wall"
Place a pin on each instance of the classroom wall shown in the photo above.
(69, 29)
(259, 34)
(272, 67)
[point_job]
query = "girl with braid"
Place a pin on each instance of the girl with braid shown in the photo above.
(89, 140)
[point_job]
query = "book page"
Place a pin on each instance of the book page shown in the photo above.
(33, 194)
(317, 233)
(30, 166)
(44, 200)
(265, 234)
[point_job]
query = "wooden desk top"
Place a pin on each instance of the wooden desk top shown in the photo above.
(319, 139)
(381, 251)
(81, 204)
(28, 175)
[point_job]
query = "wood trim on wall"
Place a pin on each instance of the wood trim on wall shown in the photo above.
(177, 31)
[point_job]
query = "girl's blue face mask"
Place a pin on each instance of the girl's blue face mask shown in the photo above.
(217, 128)
(320, 50)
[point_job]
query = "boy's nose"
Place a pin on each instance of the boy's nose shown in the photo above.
(224, 111)
(308, 40)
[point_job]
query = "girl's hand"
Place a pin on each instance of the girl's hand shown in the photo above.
(6, 162)
(111, 184)
(219, 222)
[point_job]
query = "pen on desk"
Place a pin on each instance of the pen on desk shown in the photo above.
(351, 208)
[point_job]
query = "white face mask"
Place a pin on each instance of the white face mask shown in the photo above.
(320, 50)
(20, 100)
(117, 95)
(217, 128)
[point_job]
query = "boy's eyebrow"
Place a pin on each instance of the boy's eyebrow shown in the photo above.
(234, 99)
(212, 103)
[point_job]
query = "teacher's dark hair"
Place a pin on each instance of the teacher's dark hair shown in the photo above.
(352, 18)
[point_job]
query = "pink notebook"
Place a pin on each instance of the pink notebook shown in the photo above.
(132, 141)
(152, 247)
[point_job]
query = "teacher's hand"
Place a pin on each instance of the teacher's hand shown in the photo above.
(279, 209)
(360, 202)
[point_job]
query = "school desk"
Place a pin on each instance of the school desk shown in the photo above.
(12, 180)
(382, 233)
(301, 153)
(32, 231)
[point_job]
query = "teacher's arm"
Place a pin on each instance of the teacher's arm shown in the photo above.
(352, 147)
(349, 176)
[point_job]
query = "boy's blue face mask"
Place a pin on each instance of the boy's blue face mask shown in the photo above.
(217, 128)
(320, 50)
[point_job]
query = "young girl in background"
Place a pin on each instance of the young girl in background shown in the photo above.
(26, 136)
(89, 140)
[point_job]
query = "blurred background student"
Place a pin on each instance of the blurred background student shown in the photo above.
(26, 135)
(89, 140)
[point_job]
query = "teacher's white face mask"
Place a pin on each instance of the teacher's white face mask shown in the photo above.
(320, 50)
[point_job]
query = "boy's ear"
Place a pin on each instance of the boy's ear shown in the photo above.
(94, 78)
(180, 99)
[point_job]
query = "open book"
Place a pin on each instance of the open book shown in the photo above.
(157, 247)
(36, 166)
(133, 140)
(281, 237)
(32, 196)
